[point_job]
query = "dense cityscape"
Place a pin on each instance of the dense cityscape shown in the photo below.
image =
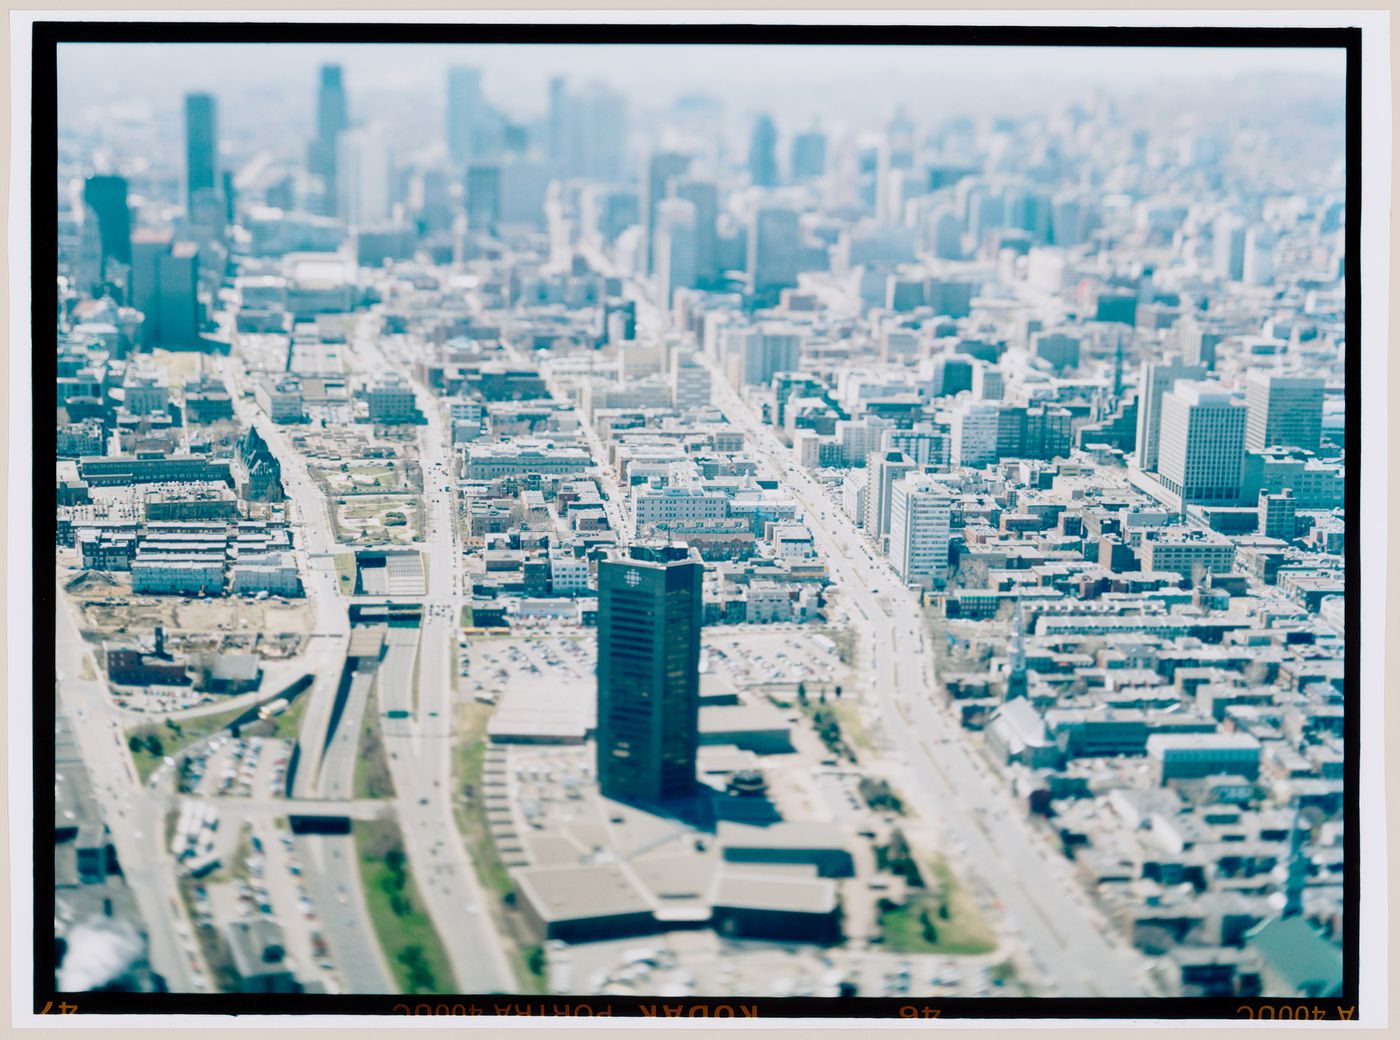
(648, 544)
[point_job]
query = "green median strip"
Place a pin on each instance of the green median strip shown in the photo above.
(406, 933)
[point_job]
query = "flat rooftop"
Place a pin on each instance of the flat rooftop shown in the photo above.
(576, 893)
(784, 892)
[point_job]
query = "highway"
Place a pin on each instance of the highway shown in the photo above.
(420, 747)
(1070, 945)
(332, 873)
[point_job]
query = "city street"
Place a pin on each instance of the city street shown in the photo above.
(1077, 953)
(134, 815)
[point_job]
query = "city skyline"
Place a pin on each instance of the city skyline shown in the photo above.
(522, 527)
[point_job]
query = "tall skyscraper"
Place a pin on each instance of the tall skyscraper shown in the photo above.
(758, 354)
(974, 434)
(230, 197)
(164, 287)
(606, 212)
(147, 249)
(661, 168)
(106, 197)
(774, 244)
(587, 131)
(899, 141)
(763, 153)
(332, 119)
(558, 120)
(431, 199)
(466, 115)
(1228, 233)
(650, 609)
(674, 247)
(704, 196)
(808, 155)
(179, 297)
(1284, 411)
(483, 196)
(1202, 444)
(362, 177)
(1157, 379)
(1258, 265)
(920, 526)
(201, 149)
(882, 472)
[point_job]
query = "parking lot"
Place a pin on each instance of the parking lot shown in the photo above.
(768, 657)
(228, 767)
(261, 876)
(486, 668)
(157, 700)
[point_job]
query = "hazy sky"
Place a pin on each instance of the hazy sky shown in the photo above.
(747, 76)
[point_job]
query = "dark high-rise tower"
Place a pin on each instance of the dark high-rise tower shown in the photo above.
(201, 146)
(106, 197)
(332, 118)
(763, 153)
(650, 609)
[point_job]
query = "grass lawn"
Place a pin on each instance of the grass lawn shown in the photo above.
(238, 867)
(411, 944)
(383, 476)
(173, 736)
(345, 571)
(372, 776)
(851, 722)
(963, 931)
(288, 724)
(468, 759)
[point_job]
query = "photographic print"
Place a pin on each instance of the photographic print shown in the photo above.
(693, 520)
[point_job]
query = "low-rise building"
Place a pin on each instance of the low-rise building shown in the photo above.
(390, 400)
(272, 573)
(1184, 756)
(281, 399)
(193, 576)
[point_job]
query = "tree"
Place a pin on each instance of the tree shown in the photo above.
(154, 746)
(420, 976)
(929, 930)
(802, 692)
